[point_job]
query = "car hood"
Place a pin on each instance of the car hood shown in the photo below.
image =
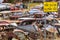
(27, 28)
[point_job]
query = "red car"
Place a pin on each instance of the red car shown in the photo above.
(3, 23)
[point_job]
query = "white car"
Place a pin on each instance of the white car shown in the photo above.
(1, 1)
(4, 6)
(32, 11)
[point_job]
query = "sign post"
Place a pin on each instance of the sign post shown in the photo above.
(49, 7)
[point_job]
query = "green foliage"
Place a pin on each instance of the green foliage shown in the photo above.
(11, 1)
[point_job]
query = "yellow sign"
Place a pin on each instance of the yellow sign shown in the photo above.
(50, 6)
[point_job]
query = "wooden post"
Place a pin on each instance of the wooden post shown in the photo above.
(59, 10)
